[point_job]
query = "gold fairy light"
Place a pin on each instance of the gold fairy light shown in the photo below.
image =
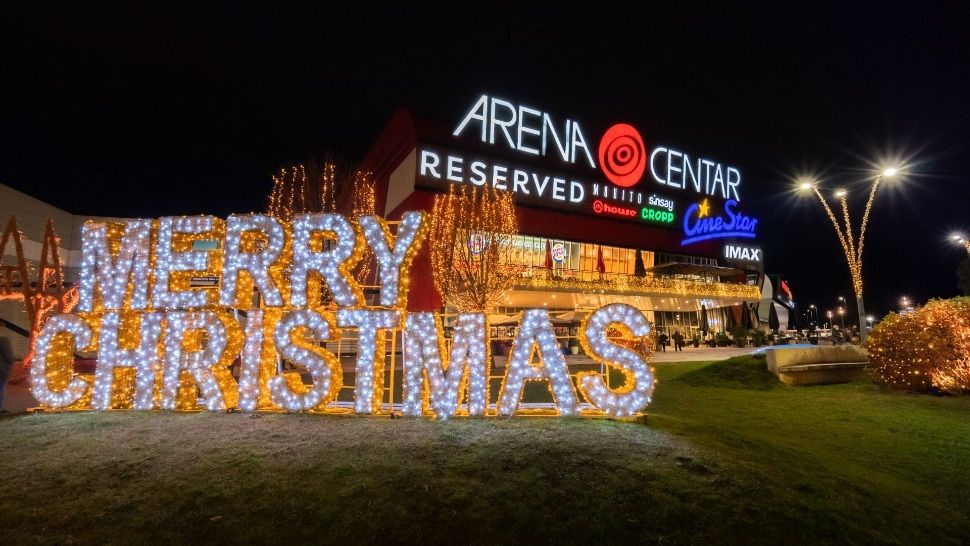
(471, 235)
(852, 247)
(927, 350)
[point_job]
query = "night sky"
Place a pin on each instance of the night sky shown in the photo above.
(133, 111)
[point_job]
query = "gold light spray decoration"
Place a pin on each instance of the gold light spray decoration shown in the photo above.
(851, 247)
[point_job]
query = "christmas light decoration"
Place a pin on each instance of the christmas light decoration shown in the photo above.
(323, 366)
(466, 369)
(371, 325)
(143, 357)
(333, 265)
(394, 258)
(471, 278)
(256, 263)
(926, 350)
(115, 274)
(536, 330)
(51, 377)
(259, 360)
(637, 387)
(45, 296)
(173, 349)
(852, 249)
(174, 266)
(666, 286)
(204, 344)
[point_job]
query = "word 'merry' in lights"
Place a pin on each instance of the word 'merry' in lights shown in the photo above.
(162, 344)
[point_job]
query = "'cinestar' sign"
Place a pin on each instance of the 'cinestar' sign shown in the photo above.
(163, 344)
(609, 173)
(700, 225)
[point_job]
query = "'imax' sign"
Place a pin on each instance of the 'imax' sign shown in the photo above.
(742, 253)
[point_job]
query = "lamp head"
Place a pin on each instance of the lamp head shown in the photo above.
(890, 172)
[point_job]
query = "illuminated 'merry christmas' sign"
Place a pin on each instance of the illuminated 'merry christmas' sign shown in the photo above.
(162, 344)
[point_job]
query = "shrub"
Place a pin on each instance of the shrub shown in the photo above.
(740, 337)
(927, 350)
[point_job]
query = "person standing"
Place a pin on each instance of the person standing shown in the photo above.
(678, 341)
(6, 362)
(662, 340)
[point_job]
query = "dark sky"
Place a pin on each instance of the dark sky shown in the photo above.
(141, 111)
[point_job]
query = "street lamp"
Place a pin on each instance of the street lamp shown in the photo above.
(829, 315)
(842, 317)
(813, 310)
(869, 320)
(959, 239)
(851, 247)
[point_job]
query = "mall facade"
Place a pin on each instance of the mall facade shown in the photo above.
(605, 215)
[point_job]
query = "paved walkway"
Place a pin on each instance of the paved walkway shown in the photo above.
(690, 354)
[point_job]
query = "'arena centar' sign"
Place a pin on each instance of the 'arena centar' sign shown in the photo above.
(603, 176)
(160, 343)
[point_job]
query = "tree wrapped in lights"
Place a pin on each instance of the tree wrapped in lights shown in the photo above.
(471, 236)
(927, 350)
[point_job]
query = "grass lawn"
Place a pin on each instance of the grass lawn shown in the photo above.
(728, 455)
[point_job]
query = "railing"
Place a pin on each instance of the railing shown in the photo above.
(618, 283)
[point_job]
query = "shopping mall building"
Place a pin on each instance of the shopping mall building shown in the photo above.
(589, 199)
(605, 215)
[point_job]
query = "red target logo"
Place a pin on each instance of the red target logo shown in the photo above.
(622, 155)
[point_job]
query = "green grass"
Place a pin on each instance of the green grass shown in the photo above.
(727, 455)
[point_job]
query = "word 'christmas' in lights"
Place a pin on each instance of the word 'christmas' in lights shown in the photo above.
(163, 344)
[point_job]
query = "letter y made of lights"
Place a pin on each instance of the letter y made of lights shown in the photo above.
(163, 344)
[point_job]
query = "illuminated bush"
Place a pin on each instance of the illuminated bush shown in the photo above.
(927, 350)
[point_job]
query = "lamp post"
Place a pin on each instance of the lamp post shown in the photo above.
(842, 317)
(813, 310)
(852, 247)
(829, 315)
(869, 320)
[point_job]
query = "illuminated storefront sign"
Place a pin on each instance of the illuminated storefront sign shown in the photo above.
(699, 225)
(742, 253)
(162, 345)
(559, 253)
(622, 155)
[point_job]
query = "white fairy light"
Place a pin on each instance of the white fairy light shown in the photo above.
(251, 361)
(200, 364)
(392, 262)
(144, 358)
(635, 394)
(369, 371)
(256, 263)
(333, 265)
(168, 261)
(112, 275)
(76, 387)
(536, 329)
(468, 365)
(323, 366)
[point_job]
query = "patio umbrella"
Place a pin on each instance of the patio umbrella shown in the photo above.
(548, 254)
(600, 264)
(731, 323)
(773, 319)
(703, 326)
(745, 316)
(638, 269)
